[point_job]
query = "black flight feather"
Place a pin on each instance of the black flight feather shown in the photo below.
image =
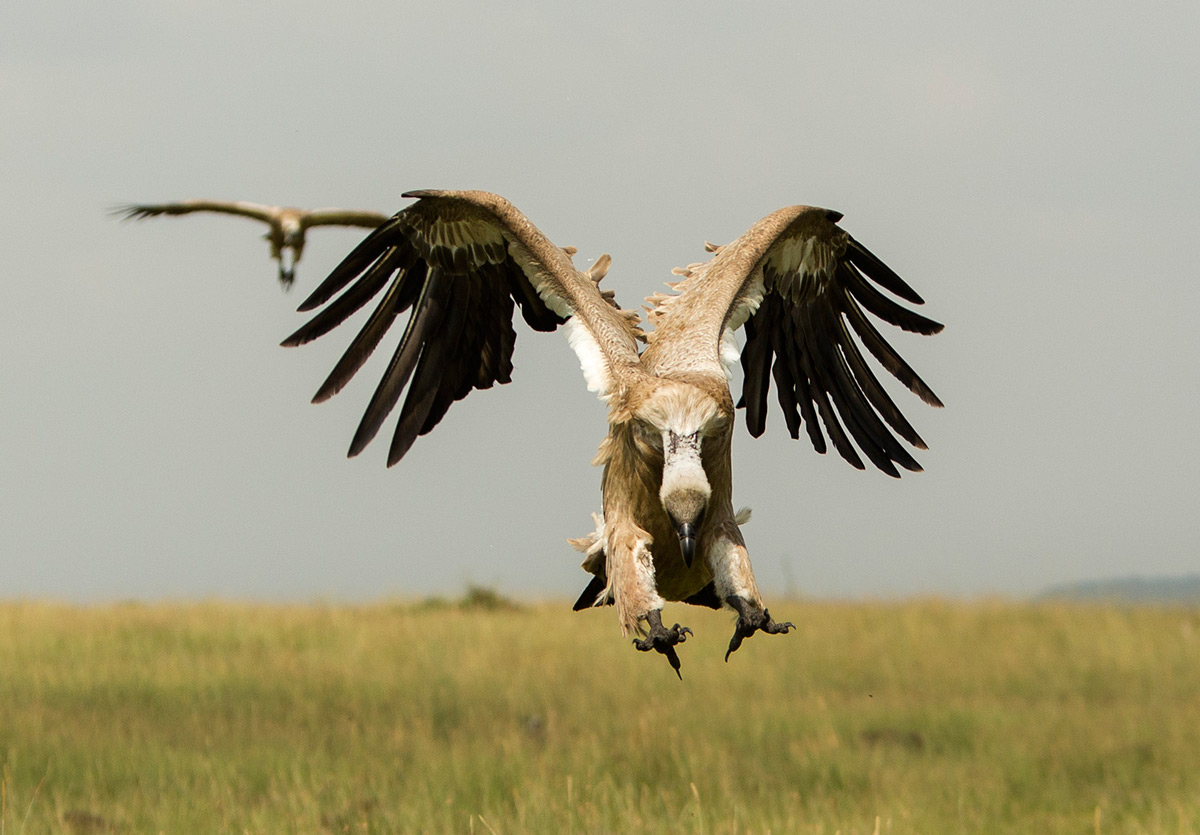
(426, 317)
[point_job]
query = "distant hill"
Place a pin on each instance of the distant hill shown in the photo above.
(1134, 589)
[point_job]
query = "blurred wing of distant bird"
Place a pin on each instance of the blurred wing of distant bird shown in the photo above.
(258, 211)
(802, 287)
(459, 261)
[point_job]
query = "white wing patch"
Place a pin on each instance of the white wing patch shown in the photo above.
(731, 352)
(539, 278)
(591, 358)
(747, 303)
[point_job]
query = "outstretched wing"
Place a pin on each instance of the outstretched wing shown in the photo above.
(342, 217)
(460, 260)
(801, 286)
(235, 207)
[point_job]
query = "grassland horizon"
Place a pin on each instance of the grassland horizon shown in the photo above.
(490, 715)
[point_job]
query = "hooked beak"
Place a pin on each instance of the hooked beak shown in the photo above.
(687, 542)
(689, 535)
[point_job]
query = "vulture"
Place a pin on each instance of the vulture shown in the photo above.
(287, 225)
(804, 291)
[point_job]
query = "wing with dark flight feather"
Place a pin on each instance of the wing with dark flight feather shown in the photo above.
(459, 261)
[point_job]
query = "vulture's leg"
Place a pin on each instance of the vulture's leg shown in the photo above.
(283, 255)
(663, 640)
(287, 267)
(733, 580)
(630, 567)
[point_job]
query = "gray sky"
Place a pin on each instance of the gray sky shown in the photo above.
(1031, 168)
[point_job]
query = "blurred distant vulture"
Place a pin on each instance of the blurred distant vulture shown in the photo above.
(799, 285)
(287, 230)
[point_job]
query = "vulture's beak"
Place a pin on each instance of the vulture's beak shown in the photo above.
(687, 542)
(689, 534)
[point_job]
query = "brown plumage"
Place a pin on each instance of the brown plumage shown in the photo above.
(287, 225)
(667, 530)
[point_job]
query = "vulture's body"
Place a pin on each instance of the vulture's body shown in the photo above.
(286, 225)
(667, 529)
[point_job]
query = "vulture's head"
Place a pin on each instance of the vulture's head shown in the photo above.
(683, 416)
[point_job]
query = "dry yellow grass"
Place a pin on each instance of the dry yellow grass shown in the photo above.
(921, 716)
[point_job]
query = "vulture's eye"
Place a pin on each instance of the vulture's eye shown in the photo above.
(647, 434)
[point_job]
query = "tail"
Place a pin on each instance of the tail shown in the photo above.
(591, 595)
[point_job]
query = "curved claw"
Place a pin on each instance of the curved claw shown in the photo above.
(773, 628)
(751, 620)
(663, 640)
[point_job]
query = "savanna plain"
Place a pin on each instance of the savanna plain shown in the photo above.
(482, 716)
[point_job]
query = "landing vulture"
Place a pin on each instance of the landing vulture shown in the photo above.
(803, 289)
(287, 225)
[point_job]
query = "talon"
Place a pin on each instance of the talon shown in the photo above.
(663, 640)
(739, 633)
(773, 628)
(751, 620)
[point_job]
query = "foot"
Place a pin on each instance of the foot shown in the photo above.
(751, 619)
(663, 640)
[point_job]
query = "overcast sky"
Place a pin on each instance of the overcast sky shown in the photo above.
(1030, 168)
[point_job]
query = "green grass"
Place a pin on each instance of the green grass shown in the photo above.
(921, 716)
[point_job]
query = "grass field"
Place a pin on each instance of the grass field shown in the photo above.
(919, 716)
